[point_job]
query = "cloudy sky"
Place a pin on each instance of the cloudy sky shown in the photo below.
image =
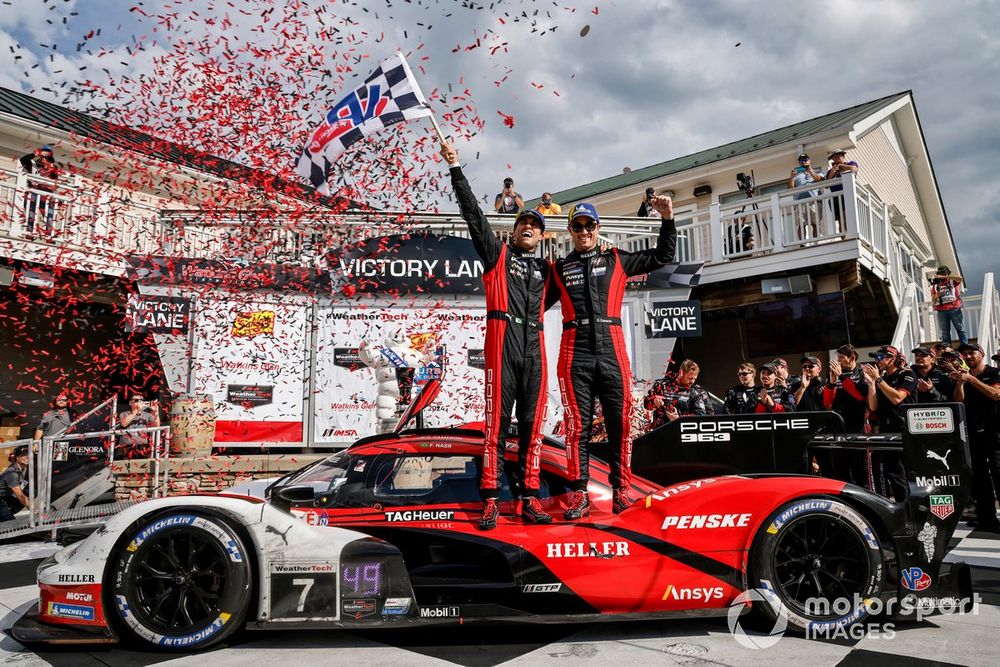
(649, 80)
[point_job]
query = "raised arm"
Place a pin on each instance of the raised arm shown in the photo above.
(644, 261)
(483, 238)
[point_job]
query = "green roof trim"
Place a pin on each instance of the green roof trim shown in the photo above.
(832, 121)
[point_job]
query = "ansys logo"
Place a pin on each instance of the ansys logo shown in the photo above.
(756, 640)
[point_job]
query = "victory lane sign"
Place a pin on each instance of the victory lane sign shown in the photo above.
(157, 314)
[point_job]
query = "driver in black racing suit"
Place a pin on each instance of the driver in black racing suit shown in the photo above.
(593, 362)
(515, 283)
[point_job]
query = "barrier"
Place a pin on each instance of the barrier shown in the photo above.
(192, 424)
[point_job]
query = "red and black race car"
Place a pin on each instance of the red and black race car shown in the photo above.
(384, 533)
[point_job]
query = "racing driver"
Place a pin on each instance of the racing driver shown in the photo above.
(515, 284)
(593, 362)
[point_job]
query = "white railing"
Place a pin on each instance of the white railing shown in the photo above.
(908, 334)
(988, 330)
(972, 309)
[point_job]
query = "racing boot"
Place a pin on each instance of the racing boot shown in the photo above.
(491, 511)
(532, 512)
(620, 501)
(579, 506)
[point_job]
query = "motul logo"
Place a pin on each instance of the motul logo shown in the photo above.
(693, 594)
(706, 521)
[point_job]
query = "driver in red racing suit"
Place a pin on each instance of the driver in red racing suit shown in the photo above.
(593, 362)
(515, 283)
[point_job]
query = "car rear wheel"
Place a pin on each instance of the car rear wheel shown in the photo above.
(816, 562)
(181, 581)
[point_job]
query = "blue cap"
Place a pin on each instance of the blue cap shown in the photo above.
(531, 213)
(584, 210)
(46, 147)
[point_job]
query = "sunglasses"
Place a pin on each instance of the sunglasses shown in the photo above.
(744, 372)
(808, 365)
(578, 228)
(879, 357)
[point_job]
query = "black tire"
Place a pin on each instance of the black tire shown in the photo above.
(819, 549)
(179, 581)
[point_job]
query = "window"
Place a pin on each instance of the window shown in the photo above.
(427, 480)
(340, 479)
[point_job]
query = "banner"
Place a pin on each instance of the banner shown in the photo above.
(157, 314)
(75, 461)
(237, 276)
(673, 319)
(251, 356)
(368, 359)
(419, 263)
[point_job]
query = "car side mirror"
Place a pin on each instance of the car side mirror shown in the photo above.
(286, 496)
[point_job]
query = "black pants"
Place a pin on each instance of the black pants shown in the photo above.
(8, 507)
(515, 376)
(985, 476)
(607, 376)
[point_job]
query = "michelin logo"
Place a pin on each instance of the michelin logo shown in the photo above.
(77, 611)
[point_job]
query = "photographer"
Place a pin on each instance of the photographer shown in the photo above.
(508, 201)
(947, 302)
(933, 385)
(802, 175)
(839, 166)
(646, 209)
(140, 415)
(42, 164)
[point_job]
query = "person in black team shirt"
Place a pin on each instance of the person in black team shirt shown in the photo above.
(742, 399)
(891, 387)
(933, 386)
(846, 392)
(770, 396)
(808, 391)
(592, 359)
(515, 283)
(674, 396)
(979, 389)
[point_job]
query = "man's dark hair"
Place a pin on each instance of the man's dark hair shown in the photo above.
(848, 351)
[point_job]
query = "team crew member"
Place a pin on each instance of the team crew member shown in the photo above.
(515, 349)
(12, 484)
(770, 396)
(742, 399)
(846, 392)
(933, 386)
(808, 392)
(675, 396)
(891, 387)
(592, 358)
(979, 389)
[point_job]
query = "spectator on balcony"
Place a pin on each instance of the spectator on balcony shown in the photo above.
(808, 391)
(933, 385)
(41, 164)
(979, 389)
(140, 415)
(548, 207)
(840, 165)
(946, 290)
(742, 399)
(846, 391)
(772, 397)
(803, 175)
(508, 200)
(646, 209)
(13, 482)
(56, 420)
(674, 396)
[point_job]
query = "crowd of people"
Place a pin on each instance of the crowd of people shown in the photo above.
(870, 396)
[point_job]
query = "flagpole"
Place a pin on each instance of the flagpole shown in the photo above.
(423, 100)
(437, 128)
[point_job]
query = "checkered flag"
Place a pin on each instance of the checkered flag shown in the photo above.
(675, 275)
(390, 95)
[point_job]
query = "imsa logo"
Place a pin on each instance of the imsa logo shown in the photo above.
(541, 588)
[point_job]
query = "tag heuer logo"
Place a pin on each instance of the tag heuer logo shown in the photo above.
(942, 506)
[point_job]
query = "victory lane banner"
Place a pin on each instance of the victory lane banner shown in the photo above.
(157, 314)
(673, 319)
(419, 263)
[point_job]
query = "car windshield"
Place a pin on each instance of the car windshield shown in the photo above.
(330, 474)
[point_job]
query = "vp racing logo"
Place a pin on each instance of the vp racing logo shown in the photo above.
(756, 640)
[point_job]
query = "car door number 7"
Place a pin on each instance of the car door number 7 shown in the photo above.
(307, 585)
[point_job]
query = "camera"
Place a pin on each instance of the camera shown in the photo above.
(745, 183)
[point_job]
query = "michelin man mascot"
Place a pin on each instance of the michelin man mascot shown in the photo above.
(394, 361)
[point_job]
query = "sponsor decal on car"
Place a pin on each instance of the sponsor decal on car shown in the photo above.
(930, 420)
(541, 588)
(926, 537)
(745, 425)
(295, 568)
(161, 640)
(696, 594)
(685, 521)
(796, 509)
(915, 579)
(396, 606)
(76, 578)
(82, 612)
(439, 612)
(680, 488)
(420, 515)
(938, 480)
(358, 608)
(587, 549)
(76, 596)
(942, 506)
(188, 520)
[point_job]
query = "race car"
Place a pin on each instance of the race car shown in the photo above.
(383, 534)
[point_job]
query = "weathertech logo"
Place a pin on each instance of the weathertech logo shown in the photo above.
(693, 594)
(706, 521)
